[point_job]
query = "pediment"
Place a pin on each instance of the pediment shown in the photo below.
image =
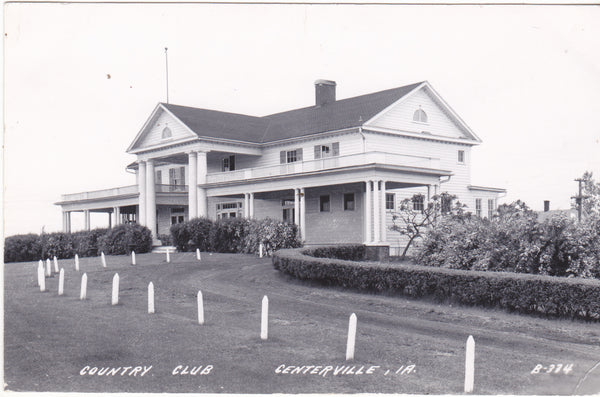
(161, 128)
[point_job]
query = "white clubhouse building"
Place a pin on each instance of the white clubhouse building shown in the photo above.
(336, 169)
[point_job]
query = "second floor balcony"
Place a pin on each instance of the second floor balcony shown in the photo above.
(324, 164)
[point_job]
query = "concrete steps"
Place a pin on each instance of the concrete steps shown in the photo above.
(162, 249)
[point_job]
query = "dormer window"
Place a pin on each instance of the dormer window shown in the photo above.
(420, 116)
(166, 133)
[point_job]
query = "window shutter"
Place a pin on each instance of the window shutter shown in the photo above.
(182, 173)
(299, 154)
(282, 159)
(317, 152)
(335, 148)
(172, 176)
(232, 163)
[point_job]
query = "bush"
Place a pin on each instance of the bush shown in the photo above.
(523, 293)
(85, 243)
(57, 244)
(228, 235)
(23, 247)
(121, 239)
(273, 234)
(180, 236)
(344, 252)
(199, 233)
(514, 241)
(165, 239)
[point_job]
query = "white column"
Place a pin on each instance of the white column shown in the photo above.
(428, 194)
(141, 177)
(302, 214)
(368, 209)
(383, 214)
(150, 198)
(251, 207)
(65, 226)
(193, 185)
(246, 205)
(376, 212)
(116, 216)
(201, 175)
(68, 221)
(86, 215)
(297, 207)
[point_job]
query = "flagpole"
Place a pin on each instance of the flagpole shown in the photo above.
(167, 71)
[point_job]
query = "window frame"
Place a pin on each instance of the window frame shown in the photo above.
(420, 116)
(418, 202)
(166, 133)
(461, 156)
(478, 204)
(347, 206)
(389, 207)
(291, 156)
(325, 205)
(491, 208)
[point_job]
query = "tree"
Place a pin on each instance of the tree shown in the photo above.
(591, 196)
(414, 215)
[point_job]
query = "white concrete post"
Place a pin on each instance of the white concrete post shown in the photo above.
(115, 289)
(150, 298)
(297, 207)
(83, 293)
(251, 206)
(351, 337)
(55, 264)
(202, 199)
(41, 278)
(302, 214)
(76, 262)
(368, 209)
(383, 214)
(103, 259)
(168, 256)
(48, 268)
(200, 308)
(133, 258)
(141, 177)
(198, 254)
(260, 250)
(61, 282)
(193, 185)
(264, 319)
(470, 365)
(376, 213)
(150, 198)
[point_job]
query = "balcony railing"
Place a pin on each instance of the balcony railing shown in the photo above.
(327, 163)
(170, 188)
(120, 191)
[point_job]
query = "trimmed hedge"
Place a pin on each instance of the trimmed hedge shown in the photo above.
(523, 293)
(22, 248)
(344, 252)
(234, 235)
(122, 239)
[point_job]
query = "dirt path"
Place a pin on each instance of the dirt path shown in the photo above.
(49, 340)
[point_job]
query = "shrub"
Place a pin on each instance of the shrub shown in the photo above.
(57, 244)
(23, 247)
(165, 239)
(180, 236)
(199, 233)
(524, 293)
(121, 239)
(85, 243)
(344, 252)
(273, 234)
(228, 235)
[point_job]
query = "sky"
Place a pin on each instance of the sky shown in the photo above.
(80, 80)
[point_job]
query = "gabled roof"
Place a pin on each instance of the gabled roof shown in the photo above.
(344, 113)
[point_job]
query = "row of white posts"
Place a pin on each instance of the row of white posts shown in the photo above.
(264, 320)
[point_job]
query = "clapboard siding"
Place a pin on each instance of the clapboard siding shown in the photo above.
(400, 117)
(154, 135)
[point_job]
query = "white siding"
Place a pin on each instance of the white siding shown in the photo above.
(154, 135)
(400, 117)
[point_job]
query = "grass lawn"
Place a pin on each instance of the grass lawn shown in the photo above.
(51, 340)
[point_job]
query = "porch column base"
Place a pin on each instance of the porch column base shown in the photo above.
(377, 252)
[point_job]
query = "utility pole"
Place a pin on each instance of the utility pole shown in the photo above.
(579, 198)
(167, 71)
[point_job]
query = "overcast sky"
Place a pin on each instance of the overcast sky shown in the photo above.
(81, 79)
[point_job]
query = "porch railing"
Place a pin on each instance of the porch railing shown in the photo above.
(171, 188)
(325, 164)
(120, 191)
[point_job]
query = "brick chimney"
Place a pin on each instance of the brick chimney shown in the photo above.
(546, 205)
(324, 92)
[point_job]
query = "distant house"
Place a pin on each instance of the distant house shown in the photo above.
(337, 169)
